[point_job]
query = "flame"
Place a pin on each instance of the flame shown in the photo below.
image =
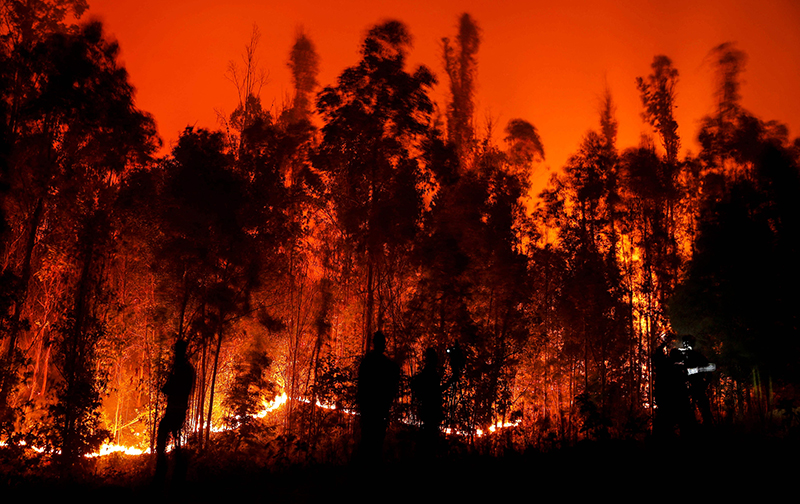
(327, 406)
(105, 449)
(108, 449)
(269, 406)
(37, 449)
(272, 405)
(480, 432)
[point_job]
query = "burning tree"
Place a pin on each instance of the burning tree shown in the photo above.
(75, 133)
(248, 392)
(374, 118)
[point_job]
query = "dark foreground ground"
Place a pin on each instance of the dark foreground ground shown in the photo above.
(723, 469)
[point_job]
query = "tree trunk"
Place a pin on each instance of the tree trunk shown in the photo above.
(213, 380)
(8, 371)
(370, 304)
(201, 392)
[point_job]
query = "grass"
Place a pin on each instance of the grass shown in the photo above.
(718, 466)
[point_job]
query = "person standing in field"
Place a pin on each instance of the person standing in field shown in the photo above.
(178, 390)
(378, 379)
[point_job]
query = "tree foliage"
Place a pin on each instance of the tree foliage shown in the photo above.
(374, 117)
(74, 132)
(461, 66)
(657, 92)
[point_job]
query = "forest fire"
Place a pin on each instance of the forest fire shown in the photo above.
(365, 259)
(108, 449)
(105, 449)
(270, 406)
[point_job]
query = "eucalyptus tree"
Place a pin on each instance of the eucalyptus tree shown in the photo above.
(24, 26)
(581, 208)
(304, 65)
(75, 134)
(473, 288)
(658, 93)
(223, 226)
(738, 297)
(738, 294)
(106, 136)
(375, 117)
(653, 194)
(461, 64)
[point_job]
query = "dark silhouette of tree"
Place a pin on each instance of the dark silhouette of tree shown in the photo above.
(304, 64)
(524, 145)
(657, 92)
(10, 286)
(285, 187)
(374, 117)
(461, 66)
(248, 80)
(730, 63)
(25, 21)
(25, 25)
(730, 138)
(738, 291)
(474, 281)
(608, 120)
(658, 97)
(653, 187)
(737, 296)
(473, 284)
(250, 387)
(76, 424)
(210, 256)
(75, 133)
(589, 299)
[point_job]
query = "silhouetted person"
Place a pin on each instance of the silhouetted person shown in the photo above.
(178, 390)
(698, 369)
(428, 390)
(378, 379)
(670, 393)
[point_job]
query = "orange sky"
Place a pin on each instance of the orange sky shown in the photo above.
(546, 62)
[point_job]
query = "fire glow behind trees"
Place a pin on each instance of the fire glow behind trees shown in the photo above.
(378, 177)
(547, 62)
